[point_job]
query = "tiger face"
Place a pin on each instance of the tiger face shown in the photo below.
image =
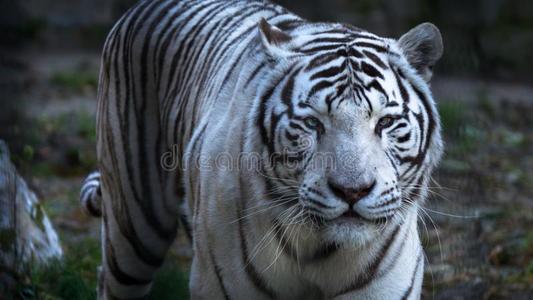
(350, 127)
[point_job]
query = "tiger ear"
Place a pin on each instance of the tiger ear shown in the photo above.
(422, 46)
(274, 40)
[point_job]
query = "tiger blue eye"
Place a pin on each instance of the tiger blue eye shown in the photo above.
(311, 122)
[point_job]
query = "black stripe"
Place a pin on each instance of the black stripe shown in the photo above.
(274, 120)
(322, 48)
(321, 59)
(403, 91)
(400, 125)
(85, 190)
(324, 84)
(375, 59)
(368, 37)
(369, 70)
(392, 103)
(320, 204)
(161, 45)
(290, 136)
(186, 226)
(354, 53)
(431, 120)
(249, 267)
(254, 73)
(384, 204)
(374, 84)
(327, 40)
(288, 25)
(147, 43)
(260, 119)
(415, 272)
(138, 110)
(150, 115)
(219, 50)
(346, 29)
(294, 125)
(224, 54)
(172, 37)
(218, 274)
(325, 252)
(287, 92)
(178, 55)
(139, 140)
(114, 268)
(192, 51)
(397, 255)
(378, 48)
(404, 138)
(119, 208)
(329, 72)
(363, 280)
(94, 211)
(197, 142)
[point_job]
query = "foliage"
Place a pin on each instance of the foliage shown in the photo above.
(171, 282)
(74, 277)
(62, 144)
(75, 81)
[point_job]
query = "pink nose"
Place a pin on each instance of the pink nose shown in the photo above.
(351, 195)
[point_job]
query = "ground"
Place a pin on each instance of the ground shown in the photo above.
(476, 228)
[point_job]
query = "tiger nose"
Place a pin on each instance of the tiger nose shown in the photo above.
(351, 195)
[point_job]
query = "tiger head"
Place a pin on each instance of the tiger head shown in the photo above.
(349, 128)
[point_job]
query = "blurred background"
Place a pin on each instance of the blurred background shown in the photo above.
(478, 224)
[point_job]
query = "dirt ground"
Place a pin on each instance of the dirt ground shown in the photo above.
(477, 227)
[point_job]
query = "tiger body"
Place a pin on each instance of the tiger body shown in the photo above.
(203, 81)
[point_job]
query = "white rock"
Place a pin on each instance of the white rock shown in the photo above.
(27, 236)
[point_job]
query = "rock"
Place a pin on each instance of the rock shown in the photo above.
(26, 234)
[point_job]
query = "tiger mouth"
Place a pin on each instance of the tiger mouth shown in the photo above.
(349, 216)
(350, 213)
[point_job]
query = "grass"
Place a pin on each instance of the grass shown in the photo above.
(57, 145)
(75, 80)
(452, 115)
(460, 128)
(170, 283)
(75, 277)
(81, 124)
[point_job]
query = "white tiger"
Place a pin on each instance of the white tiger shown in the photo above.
(303, 150)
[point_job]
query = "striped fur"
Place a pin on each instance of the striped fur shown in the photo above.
(91, 195)
(189, 87)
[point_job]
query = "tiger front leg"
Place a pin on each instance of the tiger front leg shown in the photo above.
(132, 250)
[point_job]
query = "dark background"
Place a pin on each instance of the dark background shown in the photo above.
(478, 226)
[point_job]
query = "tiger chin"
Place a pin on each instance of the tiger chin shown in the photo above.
(303, 152)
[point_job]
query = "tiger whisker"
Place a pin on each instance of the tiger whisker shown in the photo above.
(448, 214)
(282, 245)
(285, 215)
(276, 178)
(269, 201)
(261, 210)
(432, 222)
(259, 247)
